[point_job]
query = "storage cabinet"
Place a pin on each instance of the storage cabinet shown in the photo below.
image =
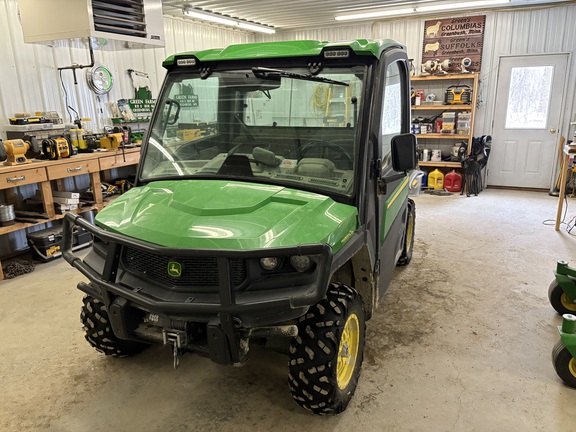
(49, 176)
(437, 85)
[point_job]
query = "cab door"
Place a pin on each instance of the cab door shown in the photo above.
(392, 187)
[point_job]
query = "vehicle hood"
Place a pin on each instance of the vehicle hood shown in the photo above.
(219, 214)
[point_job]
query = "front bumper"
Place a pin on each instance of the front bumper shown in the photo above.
(227, 309)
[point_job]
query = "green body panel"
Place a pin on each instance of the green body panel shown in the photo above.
(563, 270)
(220, 214)
(567, 285)
(569, 340)
(393, 205)
(304, 48)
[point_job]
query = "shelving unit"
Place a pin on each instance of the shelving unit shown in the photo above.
(438, 84)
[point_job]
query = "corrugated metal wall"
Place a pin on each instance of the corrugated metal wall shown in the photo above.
(531, 31)
(29, 78)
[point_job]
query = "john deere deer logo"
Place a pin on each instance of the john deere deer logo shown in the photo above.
(174, 269)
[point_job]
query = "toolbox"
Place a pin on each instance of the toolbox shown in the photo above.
(45, 244)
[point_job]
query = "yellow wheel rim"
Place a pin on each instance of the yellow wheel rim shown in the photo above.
(348, 351)
(567, 303)
(409, 233)
(572, 367)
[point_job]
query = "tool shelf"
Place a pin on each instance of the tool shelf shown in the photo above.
(48, 175)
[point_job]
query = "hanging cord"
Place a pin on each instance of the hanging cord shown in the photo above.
(68, 107)
(320, 99)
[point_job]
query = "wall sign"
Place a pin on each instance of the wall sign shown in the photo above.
(187, 100)
(454, 43)
(142, 106)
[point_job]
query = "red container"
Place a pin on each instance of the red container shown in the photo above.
(453, 181)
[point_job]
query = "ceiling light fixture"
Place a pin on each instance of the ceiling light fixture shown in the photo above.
(419, 9)
(378, 14)
(460, 5)
(232, 22)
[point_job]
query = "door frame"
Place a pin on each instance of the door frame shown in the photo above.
(563, 128)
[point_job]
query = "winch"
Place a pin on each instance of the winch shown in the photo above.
(18, 151)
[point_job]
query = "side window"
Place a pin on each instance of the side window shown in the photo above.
(391, 122)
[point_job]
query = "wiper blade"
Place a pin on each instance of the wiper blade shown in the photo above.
(268, 73)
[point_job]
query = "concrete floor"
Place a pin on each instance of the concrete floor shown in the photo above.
(461, 342)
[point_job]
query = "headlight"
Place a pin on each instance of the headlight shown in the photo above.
(301, 263)
(269, 263)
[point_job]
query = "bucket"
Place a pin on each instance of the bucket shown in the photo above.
(453, 181)
(415, 184)
(436, 179)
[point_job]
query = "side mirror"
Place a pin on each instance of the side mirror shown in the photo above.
(404, 159)
(404, 152)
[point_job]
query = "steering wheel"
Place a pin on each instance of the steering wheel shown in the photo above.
(327, 150)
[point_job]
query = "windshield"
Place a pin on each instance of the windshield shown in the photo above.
(276, 126)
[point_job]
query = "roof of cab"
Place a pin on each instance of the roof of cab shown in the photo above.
(301, 48)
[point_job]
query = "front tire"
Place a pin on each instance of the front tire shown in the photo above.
(564, 363)
(559, 300)
(326, 356)
(408, 246)
(99, 333)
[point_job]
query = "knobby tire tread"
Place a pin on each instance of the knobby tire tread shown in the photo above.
(99, 334)
(314, 353)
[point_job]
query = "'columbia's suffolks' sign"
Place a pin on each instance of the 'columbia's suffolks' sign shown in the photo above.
(456, 42)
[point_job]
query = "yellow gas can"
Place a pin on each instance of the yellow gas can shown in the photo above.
(436, 179)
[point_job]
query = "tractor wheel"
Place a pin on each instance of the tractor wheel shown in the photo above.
(559, 300)
(409, 236)
(99, 333)
(564, 363)
(326, 356)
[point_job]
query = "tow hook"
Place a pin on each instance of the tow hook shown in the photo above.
(178, 339)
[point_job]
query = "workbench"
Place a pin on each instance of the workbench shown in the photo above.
(49, 175)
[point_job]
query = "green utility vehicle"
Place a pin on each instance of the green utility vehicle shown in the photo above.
(271, 207)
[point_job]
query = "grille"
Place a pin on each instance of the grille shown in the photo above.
(197, 272)
(125, 17)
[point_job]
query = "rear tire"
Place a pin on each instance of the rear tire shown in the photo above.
(564, 363)
(99, 333)
(409, 235)
(559, 300)
(326, 356)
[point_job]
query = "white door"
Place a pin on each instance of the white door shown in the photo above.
(529, 103)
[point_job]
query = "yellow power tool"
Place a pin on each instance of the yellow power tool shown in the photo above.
(18, 151)
(55, 148)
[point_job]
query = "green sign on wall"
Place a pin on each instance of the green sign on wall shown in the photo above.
(142, 106)
(187, 100)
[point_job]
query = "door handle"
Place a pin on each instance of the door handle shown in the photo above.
(553, 130)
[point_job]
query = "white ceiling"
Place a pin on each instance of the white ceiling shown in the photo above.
(299, 14)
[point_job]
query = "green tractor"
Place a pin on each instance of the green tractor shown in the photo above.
(562, 296)
(271, 206)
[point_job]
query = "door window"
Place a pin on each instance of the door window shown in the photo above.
(529, 97)
(391, 122)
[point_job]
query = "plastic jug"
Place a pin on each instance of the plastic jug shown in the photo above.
(436, 179)
(453, 181)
